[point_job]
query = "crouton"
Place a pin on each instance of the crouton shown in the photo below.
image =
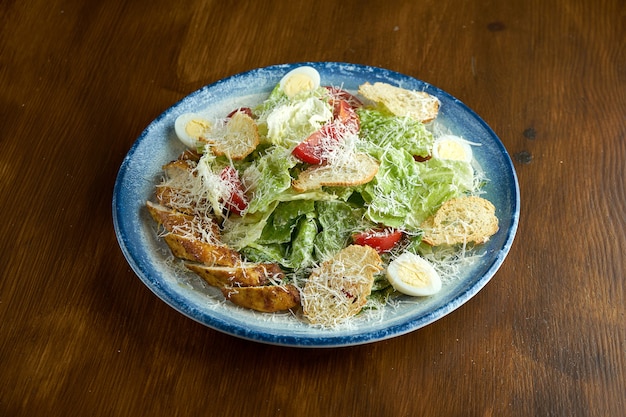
(240, 139)
(461, 220)
(402, 102)
(339, 287)
(359, 170)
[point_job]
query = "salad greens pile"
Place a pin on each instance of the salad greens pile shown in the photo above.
(300, 230)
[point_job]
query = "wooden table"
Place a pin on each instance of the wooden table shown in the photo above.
(80, 335)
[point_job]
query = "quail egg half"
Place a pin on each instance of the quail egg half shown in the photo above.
(300, 79)
(453, 148)
(190, 128)
(413, 275)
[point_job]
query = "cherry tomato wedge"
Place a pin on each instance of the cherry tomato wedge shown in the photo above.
(236, 200)
(246, 110)
(344, 115)
(315, 148)
(337, 93)
(383, 240)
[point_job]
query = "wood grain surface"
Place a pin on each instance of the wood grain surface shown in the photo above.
(80, 335)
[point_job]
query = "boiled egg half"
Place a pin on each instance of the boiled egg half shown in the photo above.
(300, 79)
(190, 128)
(452, 148)
(413, 275)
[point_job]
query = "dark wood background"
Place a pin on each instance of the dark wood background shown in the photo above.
(80, 335)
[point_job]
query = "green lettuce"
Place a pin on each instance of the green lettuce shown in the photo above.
(385, 130)
(338, 220)
(300, 253)
(241, 231)
(292, 247)
(287, 121)
(273, 253)
(283, 221)
(268, 177)
(405, 192)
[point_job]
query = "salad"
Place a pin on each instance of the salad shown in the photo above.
(322, 201)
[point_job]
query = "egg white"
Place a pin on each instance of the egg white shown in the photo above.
(453, 148)
(192, 141)
(413, 275)
(300, 79)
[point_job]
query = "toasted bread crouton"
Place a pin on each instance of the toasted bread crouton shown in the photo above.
(267, 299)
(242, 275)
(360, 170)
(191, 249)
(339, 287)
(461, 220)
(240, 139)
(402, 102)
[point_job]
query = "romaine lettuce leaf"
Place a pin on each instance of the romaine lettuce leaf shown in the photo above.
(294, 254)
(287, 122)
(405, 192)
(272, 253)
(241, 231)
(284, 220)
(338, 216)
(338, 220)
(386, 130)
(300, 254)
(268, 177)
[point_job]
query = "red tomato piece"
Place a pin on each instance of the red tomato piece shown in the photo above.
(237, 200)
(246, 110)
(313, 150)
(345, 115)
(337, 93)
(383, 240)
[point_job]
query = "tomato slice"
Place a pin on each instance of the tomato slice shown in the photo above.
(383, 240)
(337, 93)
(315, 148)
(246, 110)
(237, 201)
(344, 115)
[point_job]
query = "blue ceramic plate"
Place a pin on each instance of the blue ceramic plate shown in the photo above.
(185, 292)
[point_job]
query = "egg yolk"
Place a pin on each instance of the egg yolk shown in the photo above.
(296, 83)
(413, 275)
(197, 128)
(449, 149)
